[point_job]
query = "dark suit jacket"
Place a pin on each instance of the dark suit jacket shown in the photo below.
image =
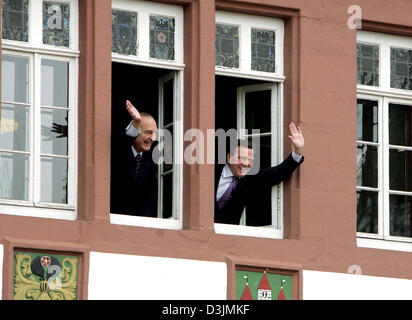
(127, 196)
(253, 192)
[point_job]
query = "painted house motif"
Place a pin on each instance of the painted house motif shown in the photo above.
(281, 295)
(246, 295)
(264, 289)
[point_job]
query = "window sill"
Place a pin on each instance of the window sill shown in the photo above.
(259, 232)
(67, 213)
(394, 245)
(124, 219)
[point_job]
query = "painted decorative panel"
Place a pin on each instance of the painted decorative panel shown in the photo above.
(227, 46)
(56, 23)
(401, 68)
(368, 64)
(15, 18)
(45, 276)
(162, 37)
(263, 50)
(124, 32)
(251, 285)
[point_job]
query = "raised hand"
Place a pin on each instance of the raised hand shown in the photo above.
(136, 117)
(296, 137)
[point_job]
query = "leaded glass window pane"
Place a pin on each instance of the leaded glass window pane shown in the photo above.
(368, 64)
(56, 23)
(227, 46)
(263, 50)
(15, 17)
(162, 37)
(124, 32)
(401, 68)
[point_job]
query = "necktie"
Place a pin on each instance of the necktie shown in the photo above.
(226, 196)
(137, 159)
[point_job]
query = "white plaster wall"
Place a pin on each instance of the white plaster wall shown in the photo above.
(119, 276)
(344, 286)
(1, 271)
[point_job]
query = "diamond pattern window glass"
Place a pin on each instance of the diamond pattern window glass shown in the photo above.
(227, 46)
(56, 23)
(401, 68)
(162, 37)
(368, 64)
(263, 50)
(15, 17)
(124, 32)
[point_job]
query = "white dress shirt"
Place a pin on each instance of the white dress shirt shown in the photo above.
(226, 177)
(131, 131)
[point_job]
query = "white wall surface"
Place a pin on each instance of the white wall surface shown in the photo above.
(344, 286)
(119, 276)
(1, 271)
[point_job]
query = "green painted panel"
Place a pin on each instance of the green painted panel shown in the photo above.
(254, 279)
(45, 276)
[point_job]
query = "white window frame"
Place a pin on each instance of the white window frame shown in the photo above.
(275, 230)
(384, 95)
(245, 24)
(274, 83)
(35, 51)
(144, 9)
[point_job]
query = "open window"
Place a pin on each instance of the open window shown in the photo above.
(249, 88)
(252, 107)
(147, 55)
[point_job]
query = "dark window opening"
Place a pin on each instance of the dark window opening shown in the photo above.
(257, 116)
(140, 85)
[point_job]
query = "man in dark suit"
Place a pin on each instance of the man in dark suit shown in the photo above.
(234, 188)
(134, 174)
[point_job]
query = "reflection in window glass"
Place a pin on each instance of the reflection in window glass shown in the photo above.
(15, 17)
(16, 71)
(56, 23)
(168, 99)
(54, 180)
(263, 50)
(124, 32)
(366, 166)
(401, 68)
(227, 46)
(167, 204)
(14, 173)
(54, 83)
(400, 123)
(400, 215)
(368, 64)
(162, 37)
(14, 128)
(54, 131)
(367, 120)
(367, 211)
